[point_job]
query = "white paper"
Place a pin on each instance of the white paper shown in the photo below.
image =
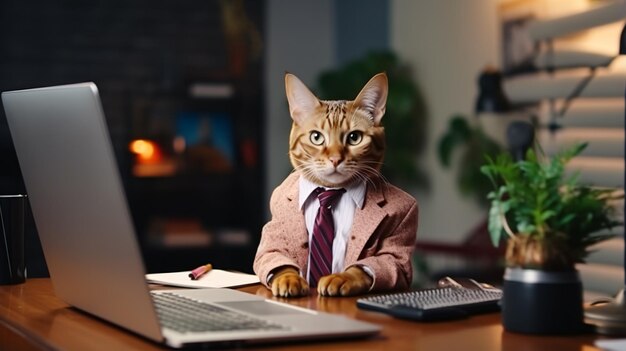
(612, 344)
(216, 278)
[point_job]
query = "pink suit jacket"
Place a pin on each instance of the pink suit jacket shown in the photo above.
(382, 237)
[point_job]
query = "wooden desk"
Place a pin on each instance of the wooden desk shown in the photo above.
(33, 318)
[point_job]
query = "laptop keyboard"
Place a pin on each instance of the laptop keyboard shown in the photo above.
(186, 315)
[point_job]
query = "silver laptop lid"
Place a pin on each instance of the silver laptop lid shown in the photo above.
(78, 203)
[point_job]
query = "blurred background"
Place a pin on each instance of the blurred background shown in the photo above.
(193, 92)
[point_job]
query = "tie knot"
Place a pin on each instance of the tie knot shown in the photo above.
(329, 198)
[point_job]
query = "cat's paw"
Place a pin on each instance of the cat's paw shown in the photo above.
(288, 283)
(353, 281)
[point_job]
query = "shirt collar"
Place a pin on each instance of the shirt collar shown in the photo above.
(356, 191)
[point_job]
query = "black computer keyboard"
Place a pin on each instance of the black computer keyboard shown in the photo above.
(443, 302)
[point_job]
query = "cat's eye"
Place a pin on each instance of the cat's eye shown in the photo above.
(316, 138)
(355, 137)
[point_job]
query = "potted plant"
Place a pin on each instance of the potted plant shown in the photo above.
(550, 221)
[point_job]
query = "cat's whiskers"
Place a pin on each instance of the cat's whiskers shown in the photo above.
(375, 173)
(305, 169)
(362, 172)
(367, 180)
(373, 162)
(310, 172)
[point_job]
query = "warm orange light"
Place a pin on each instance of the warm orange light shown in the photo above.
(145, 149)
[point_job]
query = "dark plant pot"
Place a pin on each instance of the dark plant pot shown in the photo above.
(541, 302)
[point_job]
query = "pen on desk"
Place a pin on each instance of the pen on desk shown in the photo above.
(200, 271)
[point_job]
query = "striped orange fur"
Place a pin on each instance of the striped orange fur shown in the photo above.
(334, 143)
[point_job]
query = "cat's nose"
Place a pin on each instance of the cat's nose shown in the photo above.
(335, 160)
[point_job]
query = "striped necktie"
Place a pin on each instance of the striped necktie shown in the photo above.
(321, 260)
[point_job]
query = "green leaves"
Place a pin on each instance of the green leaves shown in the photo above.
(533, 197)
(496, 217)
(475, 146)
(458, 133)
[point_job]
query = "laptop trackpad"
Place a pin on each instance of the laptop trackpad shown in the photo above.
(261, 308)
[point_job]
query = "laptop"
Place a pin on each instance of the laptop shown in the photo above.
(88, 238)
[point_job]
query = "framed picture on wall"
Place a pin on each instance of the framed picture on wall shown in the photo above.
(205, 141)
(517, 48)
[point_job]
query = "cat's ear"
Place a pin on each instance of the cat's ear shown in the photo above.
(302, 102)
(373, 97)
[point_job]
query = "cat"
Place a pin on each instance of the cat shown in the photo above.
(338, 144)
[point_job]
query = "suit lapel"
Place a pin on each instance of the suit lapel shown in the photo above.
(298, 228)
(366, 220)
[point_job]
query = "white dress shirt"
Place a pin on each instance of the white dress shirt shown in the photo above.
(343, 215)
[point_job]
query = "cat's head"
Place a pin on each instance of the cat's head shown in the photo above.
(336, 142)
